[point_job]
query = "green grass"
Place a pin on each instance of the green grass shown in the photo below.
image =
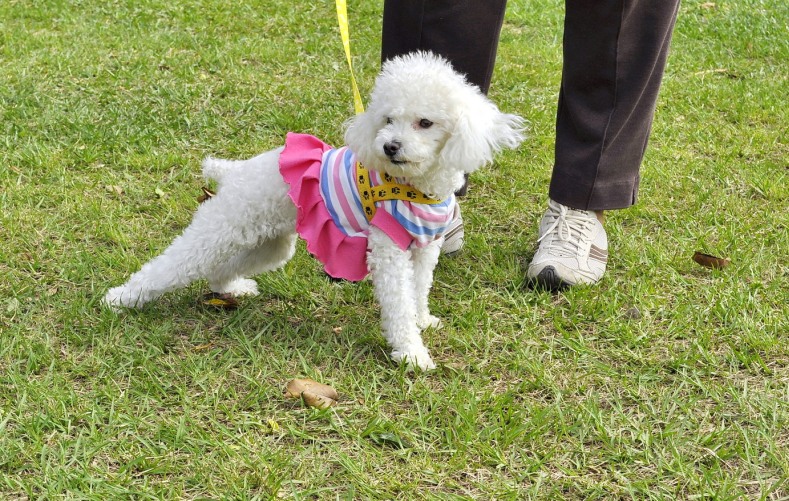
(665, 381)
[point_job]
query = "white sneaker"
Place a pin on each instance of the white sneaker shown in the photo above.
(455, 236)
(573, 248)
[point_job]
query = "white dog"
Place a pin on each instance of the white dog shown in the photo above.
(424, 129)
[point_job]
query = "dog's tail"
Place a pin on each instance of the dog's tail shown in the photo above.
(215, 168)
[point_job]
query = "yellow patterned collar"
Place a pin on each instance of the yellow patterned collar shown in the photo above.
(389, 190)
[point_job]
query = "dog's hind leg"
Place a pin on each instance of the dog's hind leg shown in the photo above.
(269, 255)
(392, 273)
(206, 243)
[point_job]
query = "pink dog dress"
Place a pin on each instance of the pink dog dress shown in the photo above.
(331, 215)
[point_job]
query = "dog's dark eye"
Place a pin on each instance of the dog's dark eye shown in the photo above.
(388, 121)
(425, 123)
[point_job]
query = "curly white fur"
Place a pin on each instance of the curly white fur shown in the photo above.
(424, 123)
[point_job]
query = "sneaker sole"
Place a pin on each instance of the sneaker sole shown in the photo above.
(548, 278)
(452, 252)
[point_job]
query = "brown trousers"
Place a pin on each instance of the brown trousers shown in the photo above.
(614, 53)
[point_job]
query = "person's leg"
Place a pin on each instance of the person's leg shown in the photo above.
(465, 32)
(614, 55)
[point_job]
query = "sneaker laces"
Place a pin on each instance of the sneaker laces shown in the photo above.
(570, 229)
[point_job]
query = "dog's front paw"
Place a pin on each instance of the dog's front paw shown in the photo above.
(429, 320)
(416, 357)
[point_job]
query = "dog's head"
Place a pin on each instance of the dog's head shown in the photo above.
(426, 123)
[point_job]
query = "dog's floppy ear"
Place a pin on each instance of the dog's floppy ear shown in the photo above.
(479, 133)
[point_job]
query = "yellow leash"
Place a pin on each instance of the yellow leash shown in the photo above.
(342, 19)
(389, 190)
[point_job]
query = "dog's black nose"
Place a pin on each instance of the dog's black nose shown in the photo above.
(391, 148)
